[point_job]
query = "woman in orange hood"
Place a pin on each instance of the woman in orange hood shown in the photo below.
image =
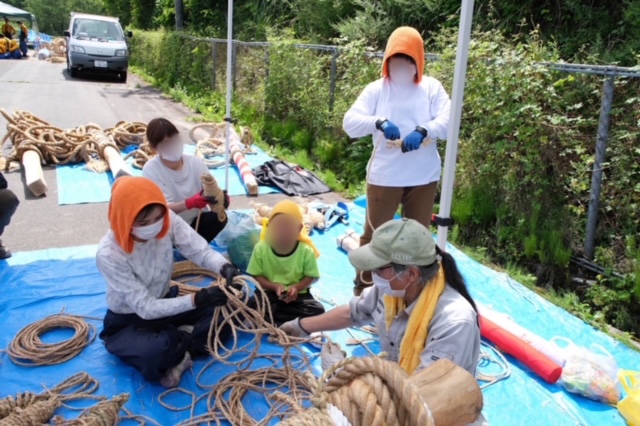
(147, 324)
(405, 106)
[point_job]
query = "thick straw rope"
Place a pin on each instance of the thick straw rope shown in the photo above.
(56, 146)
(78, 386)
(28, 349)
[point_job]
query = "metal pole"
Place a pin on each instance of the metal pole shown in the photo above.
(459, 75)
(596, 178)
(334, 71)
(214, 59)
(179, 14)
(267, 60)
(229, 90)
(234, 58)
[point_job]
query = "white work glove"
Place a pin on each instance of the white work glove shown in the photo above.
(293, 329)
(331, 354)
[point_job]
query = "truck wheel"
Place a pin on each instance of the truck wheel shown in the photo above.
(74, 72)
(122, 77)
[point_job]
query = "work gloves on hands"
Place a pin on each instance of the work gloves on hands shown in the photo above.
(412, 141)
(227, 199)
(293, 328)
(390, 130)
(198, 201)
(210, 297)
(229, 271)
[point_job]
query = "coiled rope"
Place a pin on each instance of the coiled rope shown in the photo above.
(27, 348)
(369, 391)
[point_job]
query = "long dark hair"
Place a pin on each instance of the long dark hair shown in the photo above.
(452, 274)
(453, 277)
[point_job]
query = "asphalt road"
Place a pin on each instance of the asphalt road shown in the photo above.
(46, 90)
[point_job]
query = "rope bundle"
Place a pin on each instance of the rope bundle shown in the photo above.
(141, 155)
(28, 349)
(28, 408)
(56, 146)
(211, 189)
(105, 413)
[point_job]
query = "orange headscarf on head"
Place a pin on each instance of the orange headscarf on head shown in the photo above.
(408, 41)
(129, 196)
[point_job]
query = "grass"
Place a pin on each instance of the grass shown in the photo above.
(211, 108)
(568, 301)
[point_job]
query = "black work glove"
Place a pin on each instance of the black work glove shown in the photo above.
(210, 297)
(227, 199)
(229, 271)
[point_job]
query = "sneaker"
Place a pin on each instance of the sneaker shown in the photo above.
(5, 253)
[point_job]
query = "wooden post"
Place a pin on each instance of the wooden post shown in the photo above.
(451, 393)
(116, 163)
(33, 175)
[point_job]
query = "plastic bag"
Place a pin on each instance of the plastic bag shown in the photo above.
(241, 247)
(238, 223)
(239, 237)
(629, 407)
(591, 372)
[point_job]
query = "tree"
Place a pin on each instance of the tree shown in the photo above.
(53, 17)
(120, 9)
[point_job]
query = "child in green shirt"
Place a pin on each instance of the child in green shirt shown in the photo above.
(284, 264)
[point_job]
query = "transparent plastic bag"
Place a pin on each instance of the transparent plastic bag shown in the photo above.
(590, 372)
(238, 223)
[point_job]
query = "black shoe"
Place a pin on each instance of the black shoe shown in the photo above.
(5, 253)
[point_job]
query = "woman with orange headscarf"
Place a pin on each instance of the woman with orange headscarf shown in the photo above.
(403, 105)
(147, 324)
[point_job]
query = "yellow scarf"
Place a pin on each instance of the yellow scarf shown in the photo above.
(415, 336)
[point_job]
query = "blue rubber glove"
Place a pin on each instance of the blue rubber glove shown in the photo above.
(391, 131)
(412, 141)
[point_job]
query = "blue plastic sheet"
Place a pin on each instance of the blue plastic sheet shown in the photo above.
(77, 185)
(36, 284)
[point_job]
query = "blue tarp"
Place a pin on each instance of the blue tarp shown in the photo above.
(36, 284)
(77, 185)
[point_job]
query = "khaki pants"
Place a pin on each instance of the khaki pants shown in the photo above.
(382, 205)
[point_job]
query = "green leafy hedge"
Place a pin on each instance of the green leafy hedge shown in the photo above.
(526, 144)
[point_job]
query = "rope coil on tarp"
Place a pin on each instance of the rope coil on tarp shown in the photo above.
(27, 348)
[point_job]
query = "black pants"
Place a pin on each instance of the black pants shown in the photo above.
(304, 306)
(154, 346)
(209, 226)
(8, 205)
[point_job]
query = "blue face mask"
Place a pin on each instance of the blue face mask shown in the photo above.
(384, 286)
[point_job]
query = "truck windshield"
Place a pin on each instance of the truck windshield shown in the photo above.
(92, 29)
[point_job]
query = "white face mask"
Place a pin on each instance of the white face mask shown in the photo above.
(148, 232)
(403, 74)
(384, 286)
(171, 150)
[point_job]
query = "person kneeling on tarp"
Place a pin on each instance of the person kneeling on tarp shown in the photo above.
(419, 302)
(147, 324)
(284, 264)
(178, 175)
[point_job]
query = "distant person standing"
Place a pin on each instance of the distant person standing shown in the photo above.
(7, 29)
(23, 36)
(8, 205)
(403, 105)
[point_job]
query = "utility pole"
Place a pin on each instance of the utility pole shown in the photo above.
(179, 14)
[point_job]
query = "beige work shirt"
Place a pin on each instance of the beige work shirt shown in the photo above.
(453, 332)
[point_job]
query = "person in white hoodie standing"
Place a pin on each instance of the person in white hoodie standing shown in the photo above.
(404, 105)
